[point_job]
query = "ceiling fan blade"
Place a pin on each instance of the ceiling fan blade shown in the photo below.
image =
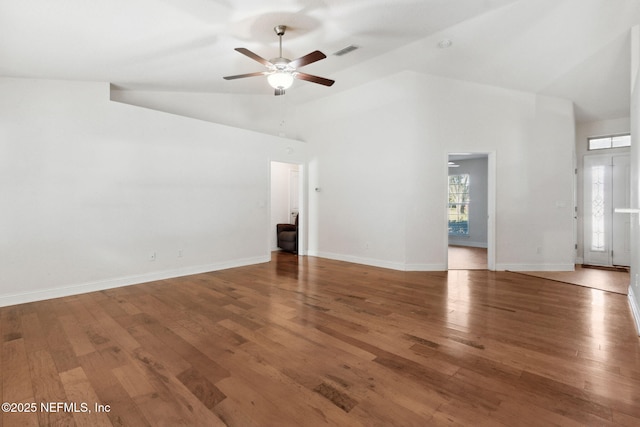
(242, 76)
(254, 56)
(307, 59)
(313, 79)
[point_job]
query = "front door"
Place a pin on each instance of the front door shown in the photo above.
(606, 187)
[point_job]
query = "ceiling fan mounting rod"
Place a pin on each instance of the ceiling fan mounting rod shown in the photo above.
(280, 29)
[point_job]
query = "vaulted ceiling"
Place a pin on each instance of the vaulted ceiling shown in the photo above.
(575, 49)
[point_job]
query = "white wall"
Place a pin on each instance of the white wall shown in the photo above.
(382, 169)
(359, 165)
(91, 188)
(261, 113)
(478, 210)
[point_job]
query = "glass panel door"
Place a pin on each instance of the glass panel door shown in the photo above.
(597, 210)
(606, 186)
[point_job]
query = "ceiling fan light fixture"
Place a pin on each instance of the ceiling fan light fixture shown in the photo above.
(280, 79)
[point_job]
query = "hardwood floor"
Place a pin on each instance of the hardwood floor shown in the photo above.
(303, 341)
(611, 280)
(603, 279)
(467, 258)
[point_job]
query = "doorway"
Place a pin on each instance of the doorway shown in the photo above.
(470, 211)
(286, 201)
(606, 187)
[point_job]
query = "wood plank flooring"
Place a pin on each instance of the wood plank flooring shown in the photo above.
(470, 258)
(467, 258)
(303, 341)
(606, 280)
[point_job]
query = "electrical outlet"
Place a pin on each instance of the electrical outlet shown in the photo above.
(179, 253)
(152, 256)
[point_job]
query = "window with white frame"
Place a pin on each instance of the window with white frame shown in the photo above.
(605, 142)
(597, 208)
(459, 205)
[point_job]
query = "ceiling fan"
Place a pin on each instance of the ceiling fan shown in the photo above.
(281, 71)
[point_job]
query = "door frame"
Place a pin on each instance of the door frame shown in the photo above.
(302, 205)
(491, 206)
(604, 159)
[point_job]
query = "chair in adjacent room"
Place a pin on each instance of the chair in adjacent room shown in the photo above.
(288, 236)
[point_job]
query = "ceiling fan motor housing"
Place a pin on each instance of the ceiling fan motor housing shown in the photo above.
(281, 64)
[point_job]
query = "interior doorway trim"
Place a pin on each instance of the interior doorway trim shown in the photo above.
(302, 206)
(491, 206)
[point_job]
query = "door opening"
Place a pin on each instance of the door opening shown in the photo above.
(606, 187)
(286, 207)
(470, 207)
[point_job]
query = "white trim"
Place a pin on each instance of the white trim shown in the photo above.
(492, 183)
(468, 244)
(303, 203)
(436, 267)
(635, 309)
(491, 208)
(379, 263)
(535, 267)
(425, 267)
(359, 260)
(21, 298)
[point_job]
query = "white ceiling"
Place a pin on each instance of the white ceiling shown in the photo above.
(575, 49)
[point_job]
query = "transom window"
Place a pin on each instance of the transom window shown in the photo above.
(459, 205)
(604, 142)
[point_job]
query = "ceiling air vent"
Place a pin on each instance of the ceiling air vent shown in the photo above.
(346, 50)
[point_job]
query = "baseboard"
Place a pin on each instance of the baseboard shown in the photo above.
(607, 267)
(425, 267)
(44, 294)
(437, 267)
(360, 260)
(482, 245)
(379, 263)
(635, 309)
(535, 267)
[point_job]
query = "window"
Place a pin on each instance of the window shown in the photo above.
(459, 205)
(597, 208)
(604, 142)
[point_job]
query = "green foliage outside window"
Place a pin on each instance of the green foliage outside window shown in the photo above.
(459, 205)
